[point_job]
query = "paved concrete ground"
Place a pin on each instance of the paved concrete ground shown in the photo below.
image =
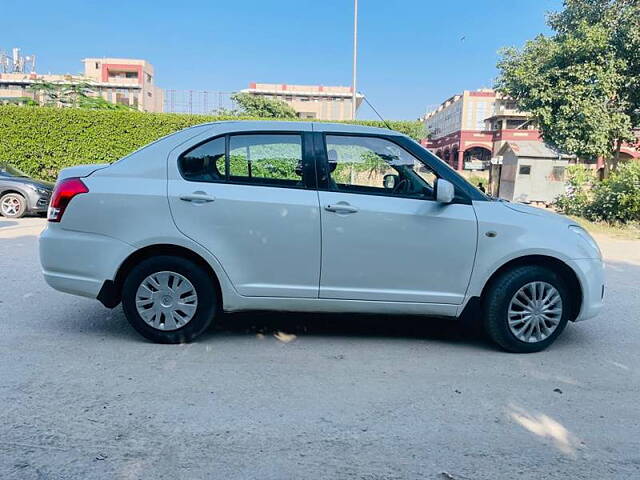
(84, 397)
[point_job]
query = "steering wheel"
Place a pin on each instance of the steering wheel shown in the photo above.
(401, 187)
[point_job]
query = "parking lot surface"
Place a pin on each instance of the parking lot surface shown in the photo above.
(284, 396)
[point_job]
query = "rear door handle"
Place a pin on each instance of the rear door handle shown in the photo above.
(341, 208)
(197, 197)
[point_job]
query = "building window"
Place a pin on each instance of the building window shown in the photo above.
(122, 96)
(557, 174)
(525, 170)
(97, 65)
(515, 124)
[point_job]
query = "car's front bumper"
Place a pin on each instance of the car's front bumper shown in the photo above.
(592, 280)
(38, 202)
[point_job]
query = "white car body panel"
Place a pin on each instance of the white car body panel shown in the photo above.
(94, 259)
(530, 231)
(277, 248)
(262, 235)
(396, 249)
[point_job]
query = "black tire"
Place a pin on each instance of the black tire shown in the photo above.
(499, 295)
(21, 202)
(199, 278)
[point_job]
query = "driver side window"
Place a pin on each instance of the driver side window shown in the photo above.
(375, 166)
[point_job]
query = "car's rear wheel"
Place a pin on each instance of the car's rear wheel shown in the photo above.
(526, 308)
(169, 299)
(13, 205)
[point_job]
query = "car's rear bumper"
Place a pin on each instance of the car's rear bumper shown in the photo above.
(80, 263)
(592, 280)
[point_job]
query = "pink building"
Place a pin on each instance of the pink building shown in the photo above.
(122, 81)
(469, 129)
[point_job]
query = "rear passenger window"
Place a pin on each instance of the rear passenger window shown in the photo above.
(261, 159)
(266, 159)
(204, 163)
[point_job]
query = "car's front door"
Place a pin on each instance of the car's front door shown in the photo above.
(250, 199)
(384, 237)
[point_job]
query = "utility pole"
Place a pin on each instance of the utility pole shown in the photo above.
(355, 58)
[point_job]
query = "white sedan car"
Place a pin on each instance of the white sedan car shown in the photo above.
(301, 216)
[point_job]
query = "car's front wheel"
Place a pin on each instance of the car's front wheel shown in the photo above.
(13, 205)
(526, 308)
(169, 299)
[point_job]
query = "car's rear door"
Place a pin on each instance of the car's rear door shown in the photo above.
(250, 199)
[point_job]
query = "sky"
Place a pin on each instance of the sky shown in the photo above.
(412, 55)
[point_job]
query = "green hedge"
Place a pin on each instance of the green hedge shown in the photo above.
(40, 141)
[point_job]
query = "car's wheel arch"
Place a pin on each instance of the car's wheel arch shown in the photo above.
(111, 292)
(554, 264)
(15, 191)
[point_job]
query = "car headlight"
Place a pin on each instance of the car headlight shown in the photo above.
(587, 238)
(41, 191)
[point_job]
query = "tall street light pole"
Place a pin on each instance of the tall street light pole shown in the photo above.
(355, 58)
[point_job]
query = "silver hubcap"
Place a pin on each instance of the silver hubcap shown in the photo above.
(535, 312)
(10, 206)
(166, 300)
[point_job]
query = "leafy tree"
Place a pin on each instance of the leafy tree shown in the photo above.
(99, 103)
(581, 84)
(262, 107)
(73, 94)
(50, 92)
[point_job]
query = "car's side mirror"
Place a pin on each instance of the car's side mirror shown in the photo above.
(445, 191)
(390, 181)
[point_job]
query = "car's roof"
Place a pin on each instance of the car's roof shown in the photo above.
(244, 125)
(347, 127)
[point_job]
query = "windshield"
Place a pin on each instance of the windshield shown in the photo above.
(9, 171)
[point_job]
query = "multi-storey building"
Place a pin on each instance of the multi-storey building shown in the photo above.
(311, 101)
(122, 81)
(470, 128)
(467, 129)
(125, 81)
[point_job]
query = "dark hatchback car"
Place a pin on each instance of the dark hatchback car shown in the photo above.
(20, 194)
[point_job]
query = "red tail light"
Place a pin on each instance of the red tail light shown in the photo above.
(62, 195)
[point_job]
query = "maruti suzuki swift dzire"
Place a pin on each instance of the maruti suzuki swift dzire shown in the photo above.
(302, 216)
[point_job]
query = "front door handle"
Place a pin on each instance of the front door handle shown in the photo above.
(197, 197)
(341, 207)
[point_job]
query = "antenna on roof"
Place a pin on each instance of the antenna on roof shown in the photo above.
(379, 116)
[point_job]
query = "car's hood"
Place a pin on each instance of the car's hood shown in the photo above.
(540, 212)
(30, 181)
